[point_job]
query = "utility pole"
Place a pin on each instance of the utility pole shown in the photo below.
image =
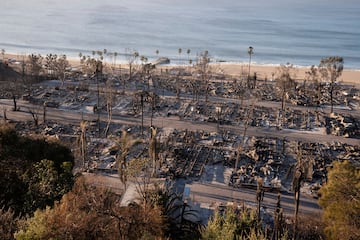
(142, 114)
(98, 74)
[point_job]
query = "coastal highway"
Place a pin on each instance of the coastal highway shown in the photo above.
(74, 117)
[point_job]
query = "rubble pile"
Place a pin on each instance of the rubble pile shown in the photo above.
(186, 153)
(261, 157)
(346, 126)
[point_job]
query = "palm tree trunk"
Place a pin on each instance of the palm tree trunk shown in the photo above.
(142, 115)
(283, 101)
(297, 182)
(14, 100)
(331, 97)
(297, 201)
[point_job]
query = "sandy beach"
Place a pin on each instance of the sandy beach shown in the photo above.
(349, 76)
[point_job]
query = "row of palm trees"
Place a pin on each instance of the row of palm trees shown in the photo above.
(102, 55)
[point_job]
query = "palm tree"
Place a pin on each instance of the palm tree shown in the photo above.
(83, 142)
(131, 56)
(101, 55)
(143, 59)
(153, 98)
(180, 51)
(259, 195)
(301, 171)
(142, 113)
(98, 75)
(3, 54)
(81, 60)
(157, 52)
(136, 54)
(189, 60)
(123, 145)
(153, 149)
(278, 220)
(115, 55)
(250, 52)
(109, 103)
(145, 70)
(104, 54)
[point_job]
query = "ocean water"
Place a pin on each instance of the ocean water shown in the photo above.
(300, 32)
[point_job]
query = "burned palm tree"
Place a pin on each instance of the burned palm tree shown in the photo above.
(278, 220)
(188, 54)
(153, 150)
(115, 56)
(250, 52)
(3, 54)
(98, 74)
(123, 145)
(154, 98)
(179, 51)
(82, 142)
(131, 56)
(259, 195)
(109, 104)
(104, 52)
(302, 171)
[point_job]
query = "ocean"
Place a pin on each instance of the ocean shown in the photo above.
(300, 32)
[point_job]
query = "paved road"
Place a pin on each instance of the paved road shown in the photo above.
(74, 117)
(210, 193)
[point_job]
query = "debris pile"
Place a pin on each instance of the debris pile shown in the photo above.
(346, 126)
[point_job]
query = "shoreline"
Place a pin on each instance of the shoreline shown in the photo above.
(349, 76)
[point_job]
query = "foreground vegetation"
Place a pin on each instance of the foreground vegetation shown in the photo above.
(35, 171)
(340, 199)
(40, 201)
